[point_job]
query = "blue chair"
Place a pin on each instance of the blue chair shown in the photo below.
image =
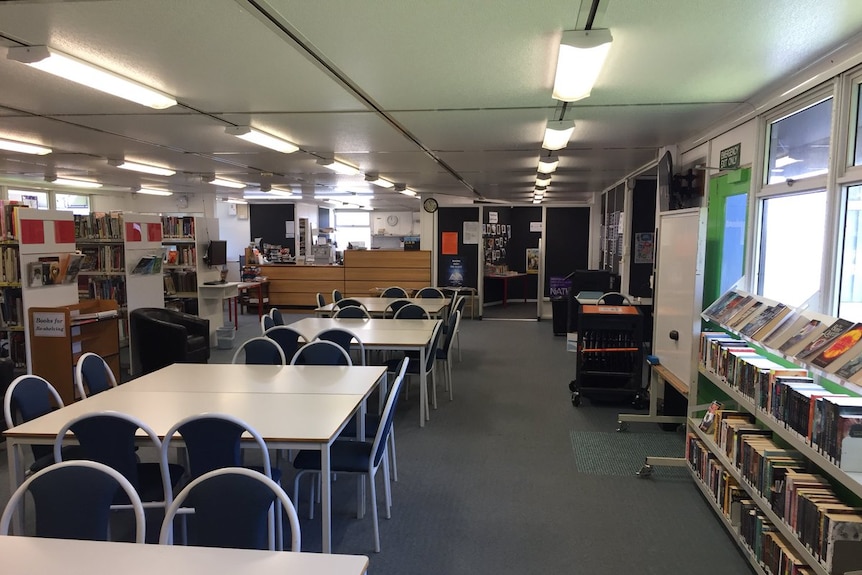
(336, 296)
(73, 501)
(352, 312)
(444, 352)
(394, 306)
(430, 359)
(344, 338)
(276, 316)
(259, 351)
(320, 301)
(93, 375)
(29, 397)
(347, 301)
(457, 306)
(394, 291)
(266, 322)
(232, 508)
(320, 352)
(286, 337)
(412, 311)
(431, 292)
(359, 457)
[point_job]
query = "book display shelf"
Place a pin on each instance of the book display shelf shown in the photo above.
(779, 453)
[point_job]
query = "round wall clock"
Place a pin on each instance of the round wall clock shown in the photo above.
(430, 205)
(392, 220)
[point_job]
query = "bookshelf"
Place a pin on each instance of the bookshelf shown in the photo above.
(773, 463)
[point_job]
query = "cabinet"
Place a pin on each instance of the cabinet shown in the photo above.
(609, 353)
(60, 334)
(767, 461)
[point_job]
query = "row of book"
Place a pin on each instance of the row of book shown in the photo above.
(10, 267)
(103, 258)
(99, 225)
(11, 307)
(182, 227)
(12, 346)
(9, 220)
(90, 287)
(769, 548)
(181, 256)
(181, 281)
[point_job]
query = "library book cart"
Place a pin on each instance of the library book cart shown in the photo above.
(609, 354)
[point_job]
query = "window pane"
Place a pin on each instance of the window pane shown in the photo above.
(733, 241)
(799, 144)
(76, 204)
(356, 237)
(32, 198)
(352, 218)
(850, 295)
(857, 156)
(792, 247)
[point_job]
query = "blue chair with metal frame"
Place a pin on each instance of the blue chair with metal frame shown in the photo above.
(344, 338)
(232, 509)
(286, 337)
(259, 350)
(444, 352)
(352, 312)
(73, 501)
(93, 375)
(336, 296)
(394, 306)
(266, 322)
(412, 311)
(431, 292)
(394, 291)
(320, 300)
(321, 352)
(276, 316)
(430, 360)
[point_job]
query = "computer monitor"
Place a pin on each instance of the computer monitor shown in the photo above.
(216, 253)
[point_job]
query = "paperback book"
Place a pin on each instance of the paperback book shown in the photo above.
(839, 346)
(832, 332)
(800, 335)
(708, 421)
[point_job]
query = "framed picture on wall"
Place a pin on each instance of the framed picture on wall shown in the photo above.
(532, 260)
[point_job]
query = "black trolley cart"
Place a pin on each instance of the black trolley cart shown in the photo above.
(610, 354)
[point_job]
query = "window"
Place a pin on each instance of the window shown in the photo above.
(352, 228)
(791, 249)
(857, 136)
(850, 289)
(76, 204)
(32, 198)
(799, 144)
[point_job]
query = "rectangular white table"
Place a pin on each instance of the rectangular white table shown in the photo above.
(288, 415)
(376, 306)
(383, 335)
(72, 557)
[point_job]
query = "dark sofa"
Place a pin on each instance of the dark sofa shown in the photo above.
(161, 337)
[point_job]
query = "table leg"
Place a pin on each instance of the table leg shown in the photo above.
(325, 498)
(423, 389)
(360, 484)
(16, 478)
(236, 313)
(525, 288)
(259, 301)
(505, 291)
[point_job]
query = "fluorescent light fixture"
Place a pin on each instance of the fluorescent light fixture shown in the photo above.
(153, 192)
(333, 202)
(234, 201)
(582, 55)
(785, 161)
(283, 193)
(338, 167)
(547, 164)
(71, 68)
(145, 168)
(225, 183)
(557, 134)
(375, 179)
(255, 136)
(74, 183)
(543, 180)
(537, 201)
(23, 147)
(403, 189)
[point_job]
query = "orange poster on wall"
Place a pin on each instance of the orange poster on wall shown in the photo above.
(449, 244)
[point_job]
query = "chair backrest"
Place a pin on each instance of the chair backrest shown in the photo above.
(93, 375)
(259, 351)
(344, 338)
(321, 352)
(73, 500)
(266, 322)
(430, 292)
(388, 414)
(320, 300)
(352, 311)
(109, 437)
(451, 330)
(212, 441)
(231, 510)
(412, 311)
(431, 352)
(336, 296)
(276, 316)
(614, 298)
(348, 301)
(28, 397)
(286, 337)
(394, 291)
(394, 306)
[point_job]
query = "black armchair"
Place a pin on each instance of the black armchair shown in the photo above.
(161, 337)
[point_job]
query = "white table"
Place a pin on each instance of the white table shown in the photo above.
(384, 335)
(289, 416)
(376, 306)
(71, 557)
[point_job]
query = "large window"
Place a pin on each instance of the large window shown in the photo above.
(791, 251)
(352, 229)
(38, 200)
(850, 292)
(799, 144)
(76, 204)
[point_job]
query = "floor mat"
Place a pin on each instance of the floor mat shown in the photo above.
(612, 453)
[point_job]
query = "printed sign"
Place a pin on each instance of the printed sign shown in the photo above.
(49, 324)
(728, 158)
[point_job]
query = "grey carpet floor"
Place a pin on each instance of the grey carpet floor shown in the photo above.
(510, 478)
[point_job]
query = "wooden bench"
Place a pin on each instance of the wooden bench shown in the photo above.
(659, 376)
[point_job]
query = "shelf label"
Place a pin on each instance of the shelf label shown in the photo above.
(49, 324)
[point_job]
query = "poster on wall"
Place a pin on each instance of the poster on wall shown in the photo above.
(644, 247)
(532, 260)
(449, 243)
(455, 273)
(472, 233)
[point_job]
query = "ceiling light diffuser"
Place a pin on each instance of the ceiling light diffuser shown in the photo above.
(375, 179)
(255, 136)
(144, 168)
(77, 70)
(154, 192)
(226, 183)
(543, 180)
(581, 58)
(74, 183)
(338, 167)
(23, 147)
(547, 164)
(403, 189)
(557, 134)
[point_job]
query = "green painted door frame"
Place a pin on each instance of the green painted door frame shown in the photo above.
(718, 228)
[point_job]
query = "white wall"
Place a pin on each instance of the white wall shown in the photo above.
(236, 232)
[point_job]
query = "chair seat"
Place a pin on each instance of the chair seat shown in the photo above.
(69, 452)
(150, 482)
(344, 456)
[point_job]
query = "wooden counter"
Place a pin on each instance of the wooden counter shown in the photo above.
(363, 270)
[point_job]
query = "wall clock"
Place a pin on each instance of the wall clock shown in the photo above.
(392, 220)
(430, 205)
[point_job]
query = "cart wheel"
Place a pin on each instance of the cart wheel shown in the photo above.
(639, 402)
(576, 399)
(622, 426)
(645, 471)
(573, 385)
